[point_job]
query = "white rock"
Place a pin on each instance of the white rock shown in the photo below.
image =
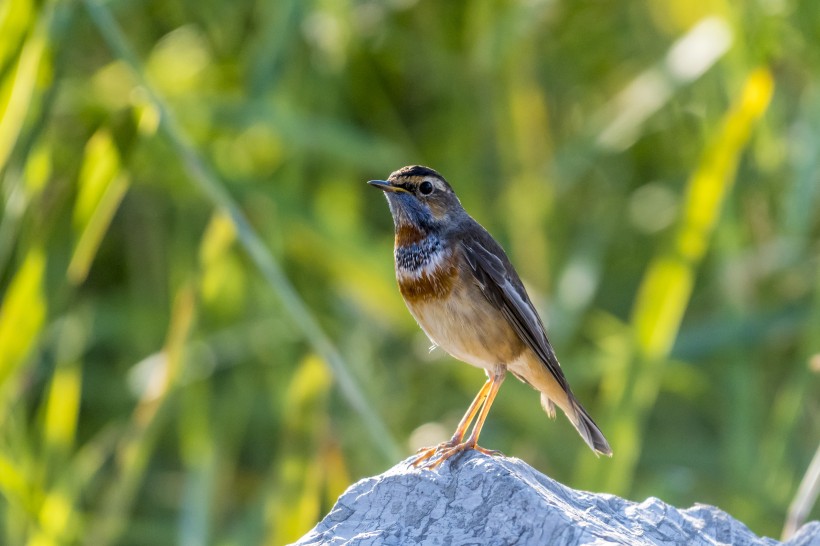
(476, 499)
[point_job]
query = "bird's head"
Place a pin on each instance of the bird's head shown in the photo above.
(420, 199)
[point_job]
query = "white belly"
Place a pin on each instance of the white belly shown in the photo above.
(468, 328)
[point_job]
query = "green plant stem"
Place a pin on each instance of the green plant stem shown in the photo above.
(207, 181)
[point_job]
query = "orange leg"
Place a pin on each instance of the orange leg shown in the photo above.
(427, 452)
(472, 442)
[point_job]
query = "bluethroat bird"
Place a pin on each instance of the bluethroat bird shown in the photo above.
(463, 291)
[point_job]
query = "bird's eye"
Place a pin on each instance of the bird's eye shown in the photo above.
(425, 188)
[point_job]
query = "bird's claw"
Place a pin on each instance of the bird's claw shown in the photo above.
(426, 453)
(431, 458)
(490, 452)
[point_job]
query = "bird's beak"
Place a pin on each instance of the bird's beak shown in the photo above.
(384, 185)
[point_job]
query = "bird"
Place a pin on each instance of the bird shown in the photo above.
(464, 293)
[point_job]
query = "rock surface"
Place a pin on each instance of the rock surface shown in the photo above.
(476, 499)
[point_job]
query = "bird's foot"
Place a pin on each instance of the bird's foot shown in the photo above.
(426, 453)
(490, 452)
(444, 451)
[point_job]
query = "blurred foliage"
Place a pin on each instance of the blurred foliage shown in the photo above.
(201, 341)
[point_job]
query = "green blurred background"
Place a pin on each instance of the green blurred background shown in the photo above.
(201, 340)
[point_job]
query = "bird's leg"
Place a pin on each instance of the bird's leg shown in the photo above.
(464, 424)
(472, 442)
(426, 452)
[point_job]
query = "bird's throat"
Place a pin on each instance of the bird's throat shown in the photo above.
(422, 256)
(408, 234)
(424, 268)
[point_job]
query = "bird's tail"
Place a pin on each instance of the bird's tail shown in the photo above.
(584, 424)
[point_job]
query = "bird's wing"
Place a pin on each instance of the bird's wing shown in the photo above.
(501, 286)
